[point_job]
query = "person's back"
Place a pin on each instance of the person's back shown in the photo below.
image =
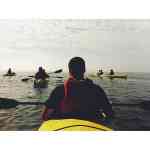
(78, 96)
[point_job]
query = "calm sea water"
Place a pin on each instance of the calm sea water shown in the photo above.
(133, 90)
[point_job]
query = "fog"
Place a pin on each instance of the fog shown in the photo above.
(119, 44)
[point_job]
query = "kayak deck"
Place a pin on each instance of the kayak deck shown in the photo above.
(72, 125)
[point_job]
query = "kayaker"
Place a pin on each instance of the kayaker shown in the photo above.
(111, 72)
(79, 97)
(9, 71)
(100, 72)
(41, 74)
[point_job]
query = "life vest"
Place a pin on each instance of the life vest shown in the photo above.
(71, 102)
(64, 106)
(66, 103)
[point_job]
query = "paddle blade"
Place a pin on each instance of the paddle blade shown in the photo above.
(57, 77)
(7, 103)
(31, 76)
(58, 71)
(25, 79)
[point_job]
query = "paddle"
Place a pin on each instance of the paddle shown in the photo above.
(6, 103)
(30, 77)
(25, 79)
(57, 71)
(59, 77)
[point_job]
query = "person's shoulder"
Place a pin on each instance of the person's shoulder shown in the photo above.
(59, 88)
(94, 85)
(58, 91)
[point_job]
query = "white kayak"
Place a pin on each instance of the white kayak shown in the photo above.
(114, 76)
(40, 83)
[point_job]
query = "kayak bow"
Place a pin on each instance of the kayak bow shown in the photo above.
(72, 125)
(40, 83)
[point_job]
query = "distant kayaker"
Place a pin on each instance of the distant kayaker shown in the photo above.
(111, 72)
(78, 97)
(41, 74)
(100, 72)
(9, 71)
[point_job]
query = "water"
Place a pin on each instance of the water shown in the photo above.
(133, 90)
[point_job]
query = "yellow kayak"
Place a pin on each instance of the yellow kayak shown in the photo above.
(72, 125)
(113, 76)
(116, 76)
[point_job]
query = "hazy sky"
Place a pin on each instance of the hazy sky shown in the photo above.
(120, 44)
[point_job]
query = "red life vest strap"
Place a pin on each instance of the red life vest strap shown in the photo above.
(63, 106)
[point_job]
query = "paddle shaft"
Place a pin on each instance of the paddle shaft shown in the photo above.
(57, 71)
(10, 103)
(30, 77)
(30, 103)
